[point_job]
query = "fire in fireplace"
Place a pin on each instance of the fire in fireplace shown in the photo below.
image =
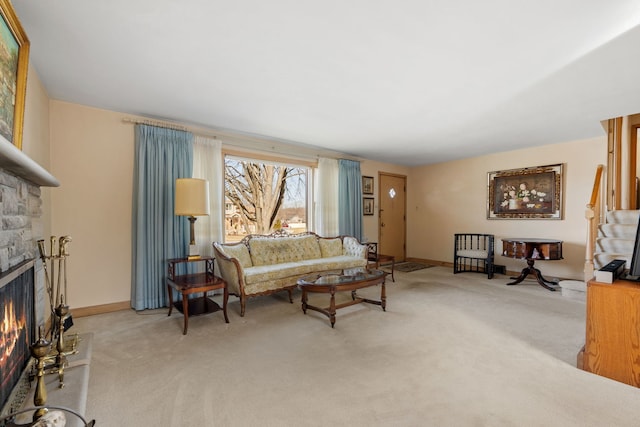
(17, 330)
(12, 331)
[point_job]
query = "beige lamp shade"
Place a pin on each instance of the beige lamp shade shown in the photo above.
(192, 197)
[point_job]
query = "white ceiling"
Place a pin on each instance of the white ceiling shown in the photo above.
(405, 81)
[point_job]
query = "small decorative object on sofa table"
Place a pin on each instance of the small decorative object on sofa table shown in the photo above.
(192, 199)
(531, 250)
(188, 284)
(473, 252)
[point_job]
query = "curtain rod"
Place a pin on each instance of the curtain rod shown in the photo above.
(248, 142)
(156, 123)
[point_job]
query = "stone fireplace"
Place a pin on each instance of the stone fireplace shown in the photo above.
(22, 286)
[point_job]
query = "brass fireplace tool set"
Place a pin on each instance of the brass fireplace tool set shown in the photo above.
(49, 361)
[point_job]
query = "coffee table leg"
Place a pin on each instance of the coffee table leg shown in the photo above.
(383, 298)
(332, 308)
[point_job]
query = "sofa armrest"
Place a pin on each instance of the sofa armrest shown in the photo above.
(230, 270)
(352, 247)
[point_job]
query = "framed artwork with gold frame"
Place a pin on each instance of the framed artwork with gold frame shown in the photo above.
(14, 65)
(527, 193)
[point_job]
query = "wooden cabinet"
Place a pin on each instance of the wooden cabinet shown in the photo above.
(612, 345)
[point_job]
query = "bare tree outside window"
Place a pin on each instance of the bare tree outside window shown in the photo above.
(262, 197)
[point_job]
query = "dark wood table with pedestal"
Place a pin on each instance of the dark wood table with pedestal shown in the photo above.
(187, 284)
(532, 249)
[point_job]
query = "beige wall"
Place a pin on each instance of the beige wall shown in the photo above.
(451, 197)
(92, 156)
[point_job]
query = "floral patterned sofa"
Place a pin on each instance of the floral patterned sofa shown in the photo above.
(265, 264)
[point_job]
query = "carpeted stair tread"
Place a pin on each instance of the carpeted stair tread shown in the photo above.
(627, 231)
(614, 244)
(623, 217)
(616, 238)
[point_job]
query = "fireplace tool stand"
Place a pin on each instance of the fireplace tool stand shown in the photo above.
(55, 363)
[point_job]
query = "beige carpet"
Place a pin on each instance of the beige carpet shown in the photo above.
(451, 350)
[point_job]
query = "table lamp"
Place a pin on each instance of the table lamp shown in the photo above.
(192, 199)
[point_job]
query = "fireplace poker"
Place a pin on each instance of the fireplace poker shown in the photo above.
(43, 257)
(52, 240)
(64, 241)
(63, 253)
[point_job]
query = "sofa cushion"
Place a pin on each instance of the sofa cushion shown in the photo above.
(330, 247)
(263, 273)
(270, 251)
(238, 251)
(339, 262)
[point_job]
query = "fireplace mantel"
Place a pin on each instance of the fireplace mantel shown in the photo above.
(15, 161)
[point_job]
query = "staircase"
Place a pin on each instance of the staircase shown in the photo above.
(616, 237)
(614, 240)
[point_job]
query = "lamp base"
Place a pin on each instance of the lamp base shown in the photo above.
(193, 252)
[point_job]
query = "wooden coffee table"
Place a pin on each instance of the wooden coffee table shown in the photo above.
(345, 280)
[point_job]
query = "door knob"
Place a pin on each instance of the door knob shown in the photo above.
(382, 224)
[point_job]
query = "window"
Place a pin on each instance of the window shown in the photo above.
(264, 196)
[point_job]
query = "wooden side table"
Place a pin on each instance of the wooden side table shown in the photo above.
(375, 259)
(188, 284)
(532, 250)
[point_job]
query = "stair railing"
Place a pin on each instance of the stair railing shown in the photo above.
(594, 215)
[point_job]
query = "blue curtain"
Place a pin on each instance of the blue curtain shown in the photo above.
(161, 156)
(350, 198)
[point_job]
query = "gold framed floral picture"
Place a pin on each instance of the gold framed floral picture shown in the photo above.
(528, 193)
(14, 64)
